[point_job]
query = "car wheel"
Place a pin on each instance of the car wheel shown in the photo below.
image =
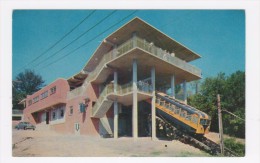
(24, 128)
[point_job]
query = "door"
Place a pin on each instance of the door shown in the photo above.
(47, 117)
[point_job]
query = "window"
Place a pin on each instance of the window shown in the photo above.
(204, 122)
(58, 114)
(71, 110)
(82, 107)
(183, 114)
(61, 113)
(53, 115)
(93, 103)
(188, 117)
(44, 95)
(194, 119)
(30, 102)
(53, 90)
(177, 111)
(43, 116)
(35, 99)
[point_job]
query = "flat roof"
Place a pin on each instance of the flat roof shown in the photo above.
(145, 31)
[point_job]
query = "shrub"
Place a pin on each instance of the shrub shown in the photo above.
(235, 146)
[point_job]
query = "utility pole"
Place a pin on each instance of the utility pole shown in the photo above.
(220, 125)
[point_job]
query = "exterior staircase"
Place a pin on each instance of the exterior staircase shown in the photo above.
(102, 108)
(107, 130)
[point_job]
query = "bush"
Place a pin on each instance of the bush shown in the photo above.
(235, 146)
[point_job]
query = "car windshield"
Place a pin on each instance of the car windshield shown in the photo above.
(203, 122)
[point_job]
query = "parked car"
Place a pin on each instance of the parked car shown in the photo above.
(25, 126)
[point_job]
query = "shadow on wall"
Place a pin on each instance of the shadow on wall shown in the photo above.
(83, 116)
(95, 122)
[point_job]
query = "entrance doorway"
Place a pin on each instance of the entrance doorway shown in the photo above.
(125, 122)
(47, 117)
(144, 119)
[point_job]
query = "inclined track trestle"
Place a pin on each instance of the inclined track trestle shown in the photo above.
(202, 143)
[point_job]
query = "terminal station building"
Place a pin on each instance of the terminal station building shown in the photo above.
(114, 94)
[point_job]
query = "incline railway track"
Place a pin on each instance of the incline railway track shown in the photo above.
(202, 143)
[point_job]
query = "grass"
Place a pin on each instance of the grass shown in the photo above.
(186, 154)
(156, 153)
(235, 146)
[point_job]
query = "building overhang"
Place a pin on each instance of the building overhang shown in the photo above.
(77, 79)
(145, 61)
(49, 107)
(145, 31)
(127, 99)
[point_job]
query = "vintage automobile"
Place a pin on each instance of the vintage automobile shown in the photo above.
(25, 126)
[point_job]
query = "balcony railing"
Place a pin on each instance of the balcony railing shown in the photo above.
(162, 54)
(121, 90)
(146, 46)
(75, 92)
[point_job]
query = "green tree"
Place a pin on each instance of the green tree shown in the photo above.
(232, 92)
(25, 83)
(234, 98)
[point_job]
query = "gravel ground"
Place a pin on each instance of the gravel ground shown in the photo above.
(41, 143)
(215, 137)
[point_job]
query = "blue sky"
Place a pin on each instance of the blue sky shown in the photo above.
(217, 35)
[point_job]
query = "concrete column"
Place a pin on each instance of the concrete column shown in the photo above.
(135, 103)
(185, 91)
(115, 107)
(153, 117)
(173, 86)
(115, 81)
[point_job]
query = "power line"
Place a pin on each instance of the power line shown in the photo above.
(233, 114)
(57, 42)
(77, 37)
(84, 44)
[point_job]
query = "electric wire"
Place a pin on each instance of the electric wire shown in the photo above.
(99, 35)
(233, 114)
(57, 42)
(78, 37)
(87, 42)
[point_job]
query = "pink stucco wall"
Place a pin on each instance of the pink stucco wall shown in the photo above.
(60, 96)
(88, 125)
